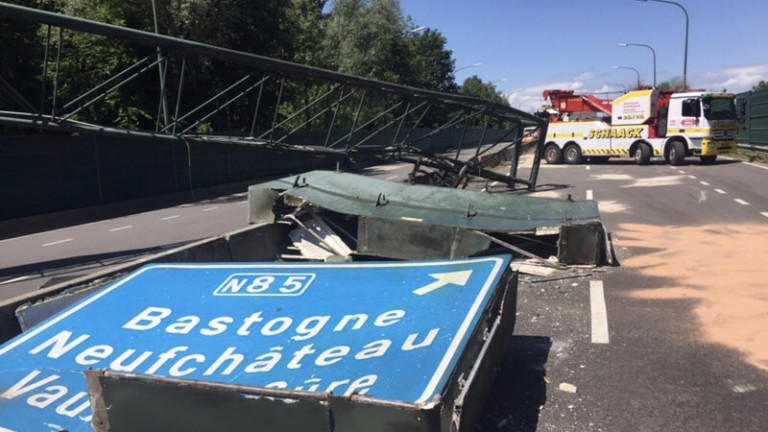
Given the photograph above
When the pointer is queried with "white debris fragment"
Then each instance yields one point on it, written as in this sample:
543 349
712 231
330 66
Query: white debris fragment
532 269
566 387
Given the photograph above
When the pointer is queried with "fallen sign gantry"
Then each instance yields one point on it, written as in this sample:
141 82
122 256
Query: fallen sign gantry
351 344
285 346
342 216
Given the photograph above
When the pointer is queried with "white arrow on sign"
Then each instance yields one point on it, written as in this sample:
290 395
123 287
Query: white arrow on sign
453 278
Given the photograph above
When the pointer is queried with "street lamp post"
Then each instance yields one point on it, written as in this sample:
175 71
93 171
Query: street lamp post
685 55
620 85
625 44
467 67
631 68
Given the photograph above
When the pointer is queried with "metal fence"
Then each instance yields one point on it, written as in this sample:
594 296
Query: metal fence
277 101
752 107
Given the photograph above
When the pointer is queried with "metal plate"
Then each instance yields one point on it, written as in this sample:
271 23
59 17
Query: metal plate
391 331
366 196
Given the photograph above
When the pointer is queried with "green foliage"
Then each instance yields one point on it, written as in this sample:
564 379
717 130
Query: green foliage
761 86
365 38
368 38
432 64
676 83
475 87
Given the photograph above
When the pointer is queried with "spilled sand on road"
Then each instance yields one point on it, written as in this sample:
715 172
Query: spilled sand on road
722 266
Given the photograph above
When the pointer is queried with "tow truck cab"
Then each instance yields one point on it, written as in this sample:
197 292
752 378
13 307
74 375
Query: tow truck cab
706 121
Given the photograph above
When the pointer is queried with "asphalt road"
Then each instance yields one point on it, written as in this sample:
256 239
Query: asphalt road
665 355
625 348
44 258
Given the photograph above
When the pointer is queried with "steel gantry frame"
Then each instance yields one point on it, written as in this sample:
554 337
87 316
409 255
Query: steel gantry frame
382 120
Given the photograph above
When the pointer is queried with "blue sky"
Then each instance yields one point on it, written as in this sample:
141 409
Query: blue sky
526 46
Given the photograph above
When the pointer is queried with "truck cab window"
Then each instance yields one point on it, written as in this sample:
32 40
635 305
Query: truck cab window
691 108
719 108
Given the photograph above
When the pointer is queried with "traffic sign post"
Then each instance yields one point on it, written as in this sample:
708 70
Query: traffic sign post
393 332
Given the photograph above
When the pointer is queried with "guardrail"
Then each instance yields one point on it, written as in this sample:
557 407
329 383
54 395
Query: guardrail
754 148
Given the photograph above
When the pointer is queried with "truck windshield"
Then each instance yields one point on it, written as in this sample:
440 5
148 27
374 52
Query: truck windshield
719 108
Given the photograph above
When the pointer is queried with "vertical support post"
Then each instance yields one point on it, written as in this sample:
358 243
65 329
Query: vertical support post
357 116
516 150
402 120
333 118
56 76
461 140
418 121
178 96
163 104
537 157
162 69
45 70
258 105
277 107
482 138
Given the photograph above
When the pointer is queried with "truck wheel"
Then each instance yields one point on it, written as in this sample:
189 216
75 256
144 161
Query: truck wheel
676 153
708 160
572 154
553 155
642 154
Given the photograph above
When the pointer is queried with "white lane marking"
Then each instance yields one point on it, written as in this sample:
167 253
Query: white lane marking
599 313
57 242
756 165
124 227
18 279
764 214
720 191
741 201
681 171
170 217
412 219
589 194
588 167
703 183
692 177
391 177
211 208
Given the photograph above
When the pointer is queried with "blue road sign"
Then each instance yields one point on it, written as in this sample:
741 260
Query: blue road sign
392 331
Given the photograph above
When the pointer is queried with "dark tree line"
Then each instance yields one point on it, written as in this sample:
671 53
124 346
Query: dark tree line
368 38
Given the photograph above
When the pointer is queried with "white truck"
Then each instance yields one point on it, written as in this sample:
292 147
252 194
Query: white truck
642 124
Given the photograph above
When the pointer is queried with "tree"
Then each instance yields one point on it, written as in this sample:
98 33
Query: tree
675 83
20 57
303 20
475 87
366 38
432 63
761 86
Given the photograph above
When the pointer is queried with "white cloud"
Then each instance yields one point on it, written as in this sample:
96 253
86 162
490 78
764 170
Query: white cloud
530 98
585 76
736 79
